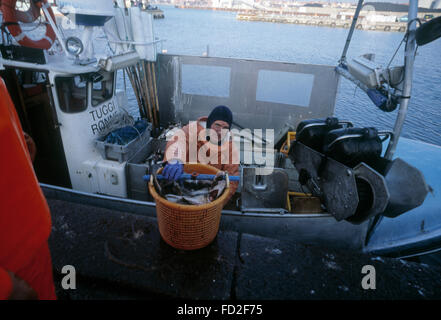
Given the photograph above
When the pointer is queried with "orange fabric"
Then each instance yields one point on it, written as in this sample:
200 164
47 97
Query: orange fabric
5 284
228 156
38 273
25 221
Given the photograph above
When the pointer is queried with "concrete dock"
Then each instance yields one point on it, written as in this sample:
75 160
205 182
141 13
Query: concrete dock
122 256
324 21
326 16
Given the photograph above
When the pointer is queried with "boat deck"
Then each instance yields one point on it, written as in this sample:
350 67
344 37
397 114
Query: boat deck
122 256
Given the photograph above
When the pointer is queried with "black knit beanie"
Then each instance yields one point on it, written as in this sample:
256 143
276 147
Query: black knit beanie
220 113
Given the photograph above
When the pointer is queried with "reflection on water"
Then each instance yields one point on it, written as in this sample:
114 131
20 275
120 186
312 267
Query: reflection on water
190 31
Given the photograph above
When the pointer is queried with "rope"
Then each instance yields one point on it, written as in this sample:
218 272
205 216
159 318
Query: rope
404 40
120 120
396 51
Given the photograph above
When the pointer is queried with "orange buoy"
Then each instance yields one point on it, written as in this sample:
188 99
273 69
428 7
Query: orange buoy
11 17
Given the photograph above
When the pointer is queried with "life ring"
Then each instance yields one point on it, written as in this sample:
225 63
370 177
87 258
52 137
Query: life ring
11 19
30 15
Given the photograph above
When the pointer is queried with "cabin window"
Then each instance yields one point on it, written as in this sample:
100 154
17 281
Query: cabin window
72 93
284 87
102 90
205 80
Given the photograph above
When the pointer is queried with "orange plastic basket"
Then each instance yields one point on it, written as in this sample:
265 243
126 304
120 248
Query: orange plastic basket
189 227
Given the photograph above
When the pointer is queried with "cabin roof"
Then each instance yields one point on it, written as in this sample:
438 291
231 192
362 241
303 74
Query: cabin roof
57 64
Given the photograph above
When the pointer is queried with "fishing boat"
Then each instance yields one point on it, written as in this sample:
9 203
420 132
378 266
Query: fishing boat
363 189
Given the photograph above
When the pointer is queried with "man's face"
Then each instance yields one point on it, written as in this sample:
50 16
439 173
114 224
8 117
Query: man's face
221 128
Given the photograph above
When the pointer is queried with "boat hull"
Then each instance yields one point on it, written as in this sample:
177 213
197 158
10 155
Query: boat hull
315 229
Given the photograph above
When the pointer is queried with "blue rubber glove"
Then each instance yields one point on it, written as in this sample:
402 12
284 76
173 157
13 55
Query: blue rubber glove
172 171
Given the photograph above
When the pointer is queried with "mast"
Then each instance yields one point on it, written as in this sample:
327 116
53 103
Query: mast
409 58
351 30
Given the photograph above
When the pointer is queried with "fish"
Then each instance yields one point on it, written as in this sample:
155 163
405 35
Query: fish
197 200
218 186
217 189
171 187
173 198
197 184
192 200
193 192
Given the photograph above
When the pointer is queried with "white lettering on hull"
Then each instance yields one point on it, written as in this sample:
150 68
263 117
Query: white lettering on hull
101 117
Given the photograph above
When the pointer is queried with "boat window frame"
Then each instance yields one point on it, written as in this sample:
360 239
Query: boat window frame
112 78
61 104
89 90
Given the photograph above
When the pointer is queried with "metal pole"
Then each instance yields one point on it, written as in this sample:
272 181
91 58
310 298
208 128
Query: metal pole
54 26
351 30
409 58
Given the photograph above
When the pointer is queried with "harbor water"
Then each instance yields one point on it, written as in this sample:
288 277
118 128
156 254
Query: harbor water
190 32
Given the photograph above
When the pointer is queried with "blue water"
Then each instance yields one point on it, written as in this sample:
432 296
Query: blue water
189 32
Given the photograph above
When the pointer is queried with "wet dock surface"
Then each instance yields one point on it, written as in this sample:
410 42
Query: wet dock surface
122 256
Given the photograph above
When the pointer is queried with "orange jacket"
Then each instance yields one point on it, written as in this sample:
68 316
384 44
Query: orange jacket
25 221
187 151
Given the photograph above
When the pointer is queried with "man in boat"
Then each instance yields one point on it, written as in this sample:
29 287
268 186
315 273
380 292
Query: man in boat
194 143
25 221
